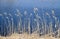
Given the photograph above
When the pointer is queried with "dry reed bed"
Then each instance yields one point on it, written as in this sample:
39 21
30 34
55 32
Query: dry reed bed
26 36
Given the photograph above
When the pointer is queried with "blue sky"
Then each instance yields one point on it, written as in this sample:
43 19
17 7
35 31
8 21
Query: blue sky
31 3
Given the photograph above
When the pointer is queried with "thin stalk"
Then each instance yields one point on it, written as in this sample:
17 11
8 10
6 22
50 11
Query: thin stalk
29 25
12 24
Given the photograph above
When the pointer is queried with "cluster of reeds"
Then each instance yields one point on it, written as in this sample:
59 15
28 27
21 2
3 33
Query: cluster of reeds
41 25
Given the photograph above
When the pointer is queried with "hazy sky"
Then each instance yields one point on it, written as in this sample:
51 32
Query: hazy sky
31 3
